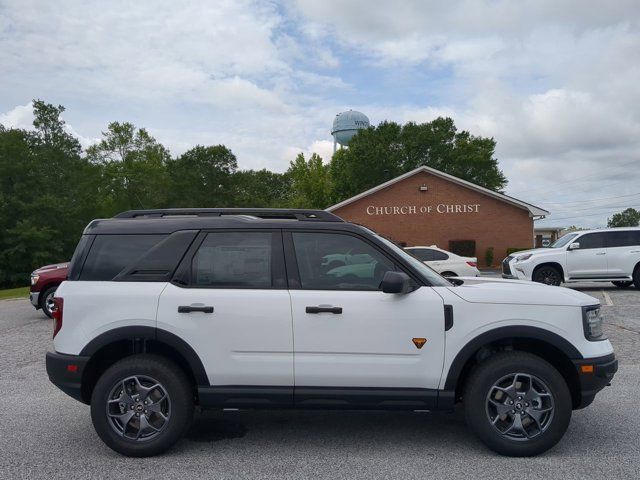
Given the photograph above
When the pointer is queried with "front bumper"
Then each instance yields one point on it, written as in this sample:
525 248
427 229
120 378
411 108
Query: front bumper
595 378
65 372
33 298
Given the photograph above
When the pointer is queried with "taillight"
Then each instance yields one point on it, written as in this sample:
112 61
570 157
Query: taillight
472 264
56 312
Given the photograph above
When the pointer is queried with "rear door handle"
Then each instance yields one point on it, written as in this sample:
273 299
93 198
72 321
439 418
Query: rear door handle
324 309
195 308
601 253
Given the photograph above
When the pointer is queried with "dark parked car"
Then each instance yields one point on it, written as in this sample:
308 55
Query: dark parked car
44 282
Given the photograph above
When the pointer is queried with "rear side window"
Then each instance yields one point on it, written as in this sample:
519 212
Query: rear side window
423 254
234 260
110 254
626 238
439 256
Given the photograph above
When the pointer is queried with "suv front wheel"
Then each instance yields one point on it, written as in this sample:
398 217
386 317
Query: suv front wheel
142 405
517 403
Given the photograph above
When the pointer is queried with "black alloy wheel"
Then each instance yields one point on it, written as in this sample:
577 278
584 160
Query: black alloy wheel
548 275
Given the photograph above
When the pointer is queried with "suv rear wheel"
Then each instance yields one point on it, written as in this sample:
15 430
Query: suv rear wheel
142 405
517 403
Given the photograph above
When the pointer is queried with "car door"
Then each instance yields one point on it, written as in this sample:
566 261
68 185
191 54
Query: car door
623 252
590 259
351 339
230 303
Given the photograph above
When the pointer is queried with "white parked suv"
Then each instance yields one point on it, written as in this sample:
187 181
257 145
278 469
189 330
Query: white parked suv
447 264
166 310
606 255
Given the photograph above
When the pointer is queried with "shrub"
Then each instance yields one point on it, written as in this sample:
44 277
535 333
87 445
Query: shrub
488 256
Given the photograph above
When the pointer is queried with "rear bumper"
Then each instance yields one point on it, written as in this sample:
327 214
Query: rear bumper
604 369
65 372
33 298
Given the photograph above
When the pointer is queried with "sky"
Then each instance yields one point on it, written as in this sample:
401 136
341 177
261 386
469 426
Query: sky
556 84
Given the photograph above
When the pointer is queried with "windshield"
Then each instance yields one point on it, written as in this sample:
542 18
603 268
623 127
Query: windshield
431 276
562 241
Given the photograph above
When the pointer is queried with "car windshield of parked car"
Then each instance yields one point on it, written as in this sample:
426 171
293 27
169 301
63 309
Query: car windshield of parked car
562 241
430 275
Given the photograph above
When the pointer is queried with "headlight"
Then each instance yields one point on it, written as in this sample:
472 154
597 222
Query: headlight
592 322
34 279
524 257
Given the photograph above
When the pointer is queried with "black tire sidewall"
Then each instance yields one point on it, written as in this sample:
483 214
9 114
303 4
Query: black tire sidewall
636 277
43 300
487 373
178 388
537 276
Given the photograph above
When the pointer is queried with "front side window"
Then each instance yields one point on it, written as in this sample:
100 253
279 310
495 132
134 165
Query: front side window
233 260
591 240
332 261
110 254
565 240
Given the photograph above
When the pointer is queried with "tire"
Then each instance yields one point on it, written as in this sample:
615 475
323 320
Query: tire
506 436
448 274
137 373
622 284
45 299
548 275
636 277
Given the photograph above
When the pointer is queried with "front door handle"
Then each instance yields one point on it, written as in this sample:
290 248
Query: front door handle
195 308
601 253
324 309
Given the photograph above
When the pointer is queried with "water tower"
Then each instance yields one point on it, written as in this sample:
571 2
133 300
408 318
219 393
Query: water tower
346 125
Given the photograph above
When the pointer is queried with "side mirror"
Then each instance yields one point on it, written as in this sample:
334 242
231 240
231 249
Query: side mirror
395 282
574 246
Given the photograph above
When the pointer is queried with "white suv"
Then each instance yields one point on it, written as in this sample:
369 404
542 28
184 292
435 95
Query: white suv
607 255
165 310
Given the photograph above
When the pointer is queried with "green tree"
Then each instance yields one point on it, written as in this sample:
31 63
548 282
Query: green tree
311 185
627 218
134 173
380 153
260 189
46 194
202 177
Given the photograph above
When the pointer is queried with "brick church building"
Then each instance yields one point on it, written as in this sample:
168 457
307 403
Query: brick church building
429 207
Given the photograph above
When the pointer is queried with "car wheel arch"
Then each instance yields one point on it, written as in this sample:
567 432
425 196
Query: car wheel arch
118 343
544 343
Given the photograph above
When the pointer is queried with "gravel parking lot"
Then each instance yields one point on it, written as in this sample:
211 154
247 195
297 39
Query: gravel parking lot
45 434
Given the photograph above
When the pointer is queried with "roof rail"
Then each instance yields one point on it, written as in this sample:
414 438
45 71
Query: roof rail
266 213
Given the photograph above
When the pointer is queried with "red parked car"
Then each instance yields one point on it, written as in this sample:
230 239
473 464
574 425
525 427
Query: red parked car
44 282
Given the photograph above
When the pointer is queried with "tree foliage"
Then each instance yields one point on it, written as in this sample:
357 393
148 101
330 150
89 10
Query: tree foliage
627 218
380 153
50 189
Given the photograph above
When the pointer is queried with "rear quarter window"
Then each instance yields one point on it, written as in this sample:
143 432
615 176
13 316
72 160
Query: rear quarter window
110 254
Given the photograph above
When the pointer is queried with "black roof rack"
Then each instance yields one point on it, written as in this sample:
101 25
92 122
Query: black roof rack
266 213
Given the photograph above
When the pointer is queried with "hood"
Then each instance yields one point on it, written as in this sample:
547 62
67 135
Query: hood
54 266
518 292
534 251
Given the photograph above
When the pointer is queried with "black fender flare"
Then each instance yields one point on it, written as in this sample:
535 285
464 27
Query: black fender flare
506 333
151 333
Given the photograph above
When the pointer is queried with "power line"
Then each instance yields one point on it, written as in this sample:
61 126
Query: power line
589 200
573 181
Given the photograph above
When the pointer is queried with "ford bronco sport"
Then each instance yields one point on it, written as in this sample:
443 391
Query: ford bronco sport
165 310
